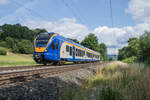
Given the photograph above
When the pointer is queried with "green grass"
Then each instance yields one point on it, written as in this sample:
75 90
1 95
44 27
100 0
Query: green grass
12 59
115 81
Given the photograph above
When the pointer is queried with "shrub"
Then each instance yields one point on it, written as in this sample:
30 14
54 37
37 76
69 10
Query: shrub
3 52
147 62
25 47
130 60
3 44
10 42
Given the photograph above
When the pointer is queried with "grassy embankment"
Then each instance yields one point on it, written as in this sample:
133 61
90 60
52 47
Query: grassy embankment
12 59
114 82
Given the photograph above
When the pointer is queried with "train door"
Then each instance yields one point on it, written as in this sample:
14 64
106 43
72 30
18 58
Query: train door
73 53
54 49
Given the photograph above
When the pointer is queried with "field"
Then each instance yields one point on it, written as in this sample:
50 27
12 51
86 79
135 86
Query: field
116 81
12 59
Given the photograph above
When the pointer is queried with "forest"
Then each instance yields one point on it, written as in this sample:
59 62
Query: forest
19 39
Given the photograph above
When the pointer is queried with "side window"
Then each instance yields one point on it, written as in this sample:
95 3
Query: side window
76 52
70 51
79 52
67 48
52 46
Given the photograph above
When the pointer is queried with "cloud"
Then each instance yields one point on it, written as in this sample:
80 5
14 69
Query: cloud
67 27
20 14
140 9
3 2
116 38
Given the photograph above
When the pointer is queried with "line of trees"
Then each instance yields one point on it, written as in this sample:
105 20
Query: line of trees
138 50
19 39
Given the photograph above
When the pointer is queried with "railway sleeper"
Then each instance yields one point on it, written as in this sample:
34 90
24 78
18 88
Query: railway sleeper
17 79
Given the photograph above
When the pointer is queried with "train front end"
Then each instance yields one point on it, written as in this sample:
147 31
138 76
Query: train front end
41 45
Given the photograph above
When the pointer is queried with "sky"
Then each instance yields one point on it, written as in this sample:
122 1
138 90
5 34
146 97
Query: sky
77 18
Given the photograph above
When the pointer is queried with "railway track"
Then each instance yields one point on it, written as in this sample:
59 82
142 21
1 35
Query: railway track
19 76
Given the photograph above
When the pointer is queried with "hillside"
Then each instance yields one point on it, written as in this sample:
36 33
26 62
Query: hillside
12 59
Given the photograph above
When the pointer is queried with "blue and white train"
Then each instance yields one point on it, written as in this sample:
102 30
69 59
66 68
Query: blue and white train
54 48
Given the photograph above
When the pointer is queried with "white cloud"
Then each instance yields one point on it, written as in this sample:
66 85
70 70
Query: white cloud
118 37
140 9
3 2
67 27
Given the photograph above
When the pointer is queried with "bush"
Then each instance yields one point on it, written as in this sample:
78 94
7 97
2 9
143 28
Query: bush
147 62
25 47
130 60
3 44
10 42
3 52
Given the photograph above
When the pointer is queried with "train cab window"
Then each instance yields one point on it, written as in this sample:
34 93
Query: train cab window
70 51
52 46
67 48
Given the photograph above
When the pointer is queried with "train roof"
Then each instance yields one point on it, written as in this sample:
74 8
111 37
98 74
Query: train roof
64 38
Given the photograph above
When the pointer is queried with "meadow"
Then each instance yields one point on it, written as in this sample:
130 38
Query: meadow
12 59
116 81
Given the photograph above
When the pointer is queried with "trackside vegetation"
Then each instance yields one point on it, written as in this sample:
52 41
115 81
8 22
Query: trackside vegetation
116 81
3 51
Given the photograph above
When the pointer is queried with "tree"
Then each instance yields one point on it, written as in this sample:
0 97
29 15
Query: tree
25 46
133 49
111 59
138 48
91 42
123 53
10 42
145 47
74 40
134 46
1 31
38 31
103 51
17 32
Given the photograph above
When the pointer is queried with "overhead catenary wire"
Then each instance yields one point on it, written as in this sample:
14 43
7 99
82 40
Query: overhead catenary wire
112 23
72 11
78 10
28 9
111 13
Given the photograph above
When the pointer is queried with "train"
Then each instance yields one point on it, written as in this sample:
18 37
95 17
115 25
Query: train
50 47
